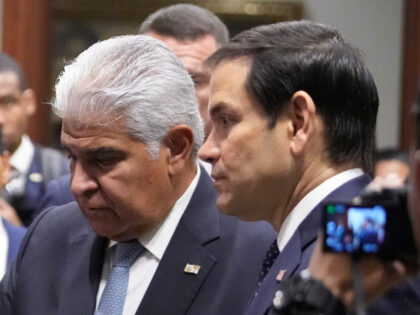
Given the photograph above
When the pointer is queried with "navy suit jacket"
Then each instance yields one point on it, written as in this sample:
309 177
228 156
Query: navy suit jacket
57 193
59 265
401 299
47 164
15 234
297 253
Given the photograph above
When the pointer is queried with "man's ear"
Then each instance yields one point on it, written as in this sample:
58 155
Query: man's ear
180 142
29 99
302 115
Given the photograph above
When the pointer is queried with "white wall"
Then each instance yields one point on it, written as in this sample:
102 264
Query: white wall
376 27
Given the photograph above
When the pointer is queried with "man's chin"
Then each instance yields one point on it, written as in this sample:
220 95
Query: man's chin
112 233
238 210
227 207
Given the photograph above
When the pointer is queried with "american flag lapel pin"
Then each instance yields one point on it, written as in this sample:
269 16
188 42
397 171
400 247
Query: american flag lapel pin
281 274
194 269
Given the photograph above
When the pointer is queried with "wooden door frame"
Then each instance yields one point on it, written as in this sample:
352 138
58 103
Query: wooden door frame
26 37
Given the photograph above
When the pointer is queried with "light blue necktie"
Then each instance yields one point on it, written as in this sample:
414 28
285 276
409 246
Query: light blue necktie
113 296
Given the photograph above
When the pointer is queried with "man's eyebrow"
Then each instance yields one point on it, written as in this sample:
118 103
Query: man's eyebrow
97 151
8 98
199 74
216 109
103 151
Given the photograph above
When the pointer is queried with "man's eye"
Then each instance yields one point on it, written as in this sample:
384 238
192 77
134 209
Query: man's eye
226 121
106 161
196 81
7 103
199 80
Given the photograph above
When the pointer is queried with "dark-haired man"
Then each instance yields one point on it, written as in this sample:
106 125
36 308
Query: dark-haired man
32 166
293 109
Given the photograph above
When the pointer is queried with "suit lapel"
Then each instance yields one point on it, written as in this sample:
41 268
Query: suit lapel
15 235
84 265
172 290
287 262
296 255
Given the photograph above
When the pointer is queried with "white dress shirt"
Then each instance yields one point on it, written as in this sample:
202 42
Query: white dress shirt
307 203
4 248
207 166
20 161
155 243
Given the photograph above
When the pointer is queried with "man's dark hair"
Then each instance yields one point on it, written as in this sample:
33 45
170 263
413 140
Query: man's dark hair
301 55
7 64
388 154
185 21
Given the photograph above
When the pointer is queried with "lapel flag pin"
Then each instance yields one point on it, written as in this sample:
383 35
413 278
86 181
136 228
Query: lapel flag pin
192 268
36 177
281 274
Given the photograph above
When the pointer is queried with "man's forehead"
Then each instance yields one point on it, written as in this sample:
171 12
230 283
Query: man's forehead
199 48
238 69
77 129
10 79
70 124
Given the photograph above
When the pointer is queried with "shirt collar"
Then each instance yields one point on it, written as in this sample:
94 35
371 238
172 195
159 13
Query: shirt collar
158 239
307 203
21 159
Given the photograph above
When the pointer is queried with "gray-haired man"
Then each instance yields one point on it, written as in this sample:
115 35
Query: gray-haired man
145 236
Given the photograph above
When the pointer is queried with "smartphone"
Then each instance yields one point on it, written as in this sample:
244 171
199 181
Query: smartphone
384 230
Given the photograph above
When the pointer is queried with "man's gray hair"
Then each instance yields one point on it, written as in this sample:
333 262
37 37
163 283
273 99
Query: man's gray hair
134 78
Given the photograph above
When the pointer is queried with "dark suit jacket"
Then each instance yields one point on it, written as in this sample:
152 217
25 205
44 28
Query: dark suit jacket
401 299
15 234
59 265
57 193
297 253
50 164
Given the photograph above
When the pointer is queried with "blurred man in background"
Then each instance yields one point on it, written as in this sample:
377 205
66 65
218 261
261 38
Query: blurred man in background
390 161
32 166
10 234
193 33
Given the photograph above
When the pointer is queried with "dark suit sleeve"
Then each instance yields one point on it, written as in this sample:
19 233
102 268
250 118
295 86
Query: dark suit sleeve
7 286
9 281
57 193
15 234
50 198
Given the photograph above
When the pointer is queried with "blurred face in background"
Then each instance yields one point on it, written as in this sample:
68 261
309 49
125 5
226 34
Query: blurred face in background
16 106
386 167
192 54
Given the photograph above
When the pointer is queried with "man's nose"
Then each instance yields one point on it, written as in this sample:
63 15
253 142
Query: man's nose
2 116
209 151
82 182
